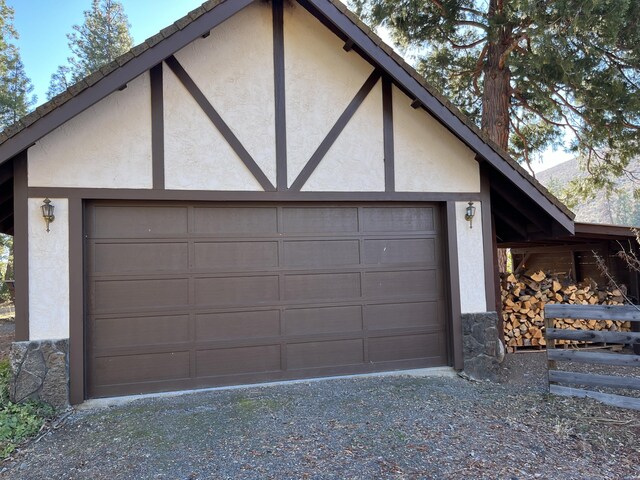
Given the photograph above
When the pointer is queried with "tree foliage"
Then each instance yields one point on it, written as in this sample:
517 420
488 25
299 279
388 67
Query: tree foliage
15 86
102 38
530 72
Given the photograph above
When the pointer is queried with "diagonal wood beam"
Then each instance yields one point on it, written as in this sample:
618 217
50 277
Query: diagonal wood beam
518 228
6 172
6 225
335 131
219 123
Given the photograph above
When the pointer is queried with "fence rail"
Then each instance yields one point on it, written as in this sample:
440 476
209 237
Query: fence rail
592 312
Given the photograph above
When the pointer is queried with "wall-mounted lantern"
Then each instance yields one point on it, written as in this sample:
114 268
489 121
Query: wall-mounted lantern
469 214
47 212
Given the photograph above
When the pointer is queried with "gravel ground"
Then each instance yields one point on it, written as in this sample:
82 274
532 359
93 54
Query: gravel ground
373 427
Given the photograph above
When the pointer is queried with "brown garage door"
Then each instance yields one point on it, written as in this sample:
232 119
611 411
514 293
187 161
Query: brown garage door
195 295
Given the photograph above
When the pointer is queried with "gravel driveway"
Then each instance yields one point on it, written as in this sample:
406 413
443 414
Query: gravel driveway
373 427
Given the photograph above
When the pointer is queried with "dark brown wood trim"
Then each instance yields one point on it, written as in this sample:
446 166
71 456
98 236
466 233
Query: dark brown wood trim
387 120
219 123
157 127
21 246
488 242
366 45
121 76
335 131
279 95
76 302
454 286
206 195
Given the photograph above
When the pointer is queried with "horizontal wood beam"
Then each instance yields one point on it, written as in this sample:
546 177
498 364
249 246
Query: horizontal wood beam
600 358
229 196
626 313
593 380
629 338
606 398
558 248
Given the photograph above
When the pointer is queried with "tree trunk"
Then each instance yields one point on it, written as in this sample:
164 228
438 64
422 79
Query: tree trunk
497 78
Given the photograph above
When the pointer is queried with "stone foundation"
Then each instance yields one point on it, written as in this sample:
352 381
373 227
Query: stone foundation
40 372
483 350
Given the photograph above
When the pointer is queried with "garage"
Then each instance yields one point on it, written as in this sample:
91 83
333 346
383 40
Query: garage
193 295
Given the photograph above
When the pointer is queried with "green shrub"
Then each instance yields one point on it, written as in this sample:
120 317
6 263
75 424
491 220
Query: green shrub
18 421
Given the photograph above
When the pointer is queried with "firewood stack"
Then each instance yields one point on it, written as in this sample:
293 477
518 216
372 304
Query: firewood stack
524 297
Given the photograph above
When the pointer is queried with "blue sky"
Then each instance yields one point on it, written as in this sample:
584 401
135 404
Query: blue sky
44 24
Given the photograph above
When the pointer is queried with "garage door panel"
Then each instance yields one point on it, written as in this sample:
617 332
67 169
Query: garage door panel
400 283
319 220
139 331
322 354
402 315
321 253
384 349
138 221
218 221
140 257
235 361
194 295
140 368
398 219
323 320
237 325
326 286
117 295
236 290
400 251
215 256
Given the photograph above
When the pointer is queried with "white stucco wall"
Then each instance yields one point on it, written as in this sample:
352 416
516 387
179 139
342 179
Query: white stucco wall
48 271
196 155
320 81
355 162
428 158
233 67
471 260
106 146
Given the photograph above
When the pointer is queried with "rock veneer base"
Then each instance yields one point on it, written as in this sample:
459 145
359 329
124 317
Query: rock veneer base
483 350
40 372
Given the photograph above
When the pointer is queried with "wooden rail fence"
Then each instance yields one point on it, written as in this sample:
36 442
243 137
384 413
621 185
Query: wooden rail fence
559 379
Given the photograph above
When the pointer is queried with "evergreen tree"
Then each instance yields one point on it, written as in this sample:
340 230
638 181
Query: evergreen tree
530 71
102 38
15 86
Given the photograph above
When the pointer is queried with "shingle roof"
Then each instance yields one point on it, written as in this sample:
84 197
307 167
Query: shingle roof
182 23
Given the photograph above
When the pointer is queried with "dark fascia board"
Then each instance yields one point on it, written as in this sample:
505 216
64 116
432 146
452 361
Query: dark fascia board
603 230
338 15
118 76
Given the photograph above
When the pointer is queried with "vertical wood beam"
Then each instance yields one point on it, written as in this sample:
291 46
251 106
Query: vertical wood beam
491 285
21 245
76 302
454 286
157 127
387 120
279 96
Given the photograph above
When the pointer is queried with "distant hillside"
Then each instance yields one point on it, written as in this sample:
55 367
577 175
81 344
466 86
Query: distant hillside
619 209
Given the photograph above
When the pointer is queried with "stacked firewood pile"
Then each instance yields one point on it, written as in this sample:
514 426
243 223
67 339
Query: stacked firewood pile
524 297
